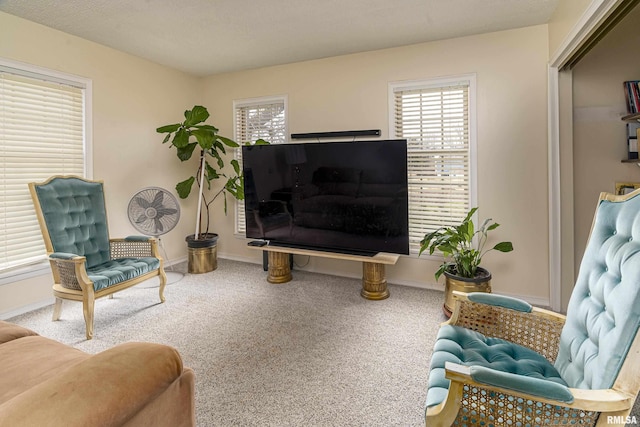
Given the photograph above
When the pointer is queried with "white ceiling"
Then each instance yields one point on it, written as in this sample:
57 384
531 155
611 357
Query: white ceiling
205 37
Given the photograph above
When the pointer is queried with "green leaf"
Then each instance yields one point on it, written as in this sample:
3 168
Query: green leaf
441 270
261 142
504 247
470 214
470 231
184 153
447 248
166 138
228 142
484 225
215 154
211 172
197 115
181 138
204 137
233 186
236 166
168 128
217 145
207 127
184 188
493 226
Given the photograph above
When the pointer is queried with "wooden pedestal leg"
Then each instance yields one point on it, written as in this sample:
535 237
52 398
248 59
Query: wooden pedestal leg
279 267
57 308
374 282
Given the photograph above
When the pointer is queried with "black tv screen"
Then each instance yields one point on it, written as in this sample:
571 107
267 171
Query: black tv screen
348 197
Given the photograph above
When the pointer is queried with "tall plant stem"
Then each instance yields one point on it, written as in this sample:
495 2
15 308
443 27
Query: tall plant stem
201 187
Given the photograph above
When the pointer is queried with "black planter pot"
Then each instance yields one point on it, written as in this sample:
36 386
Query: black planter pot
203 254
480 283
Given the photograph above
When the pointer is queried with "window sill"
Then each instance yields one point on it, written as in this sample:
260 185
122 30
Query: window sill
23 273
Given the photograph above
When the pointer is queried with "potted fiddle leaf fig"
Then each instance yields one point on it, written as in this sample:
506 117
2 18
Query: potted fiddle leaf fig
463 247
193 135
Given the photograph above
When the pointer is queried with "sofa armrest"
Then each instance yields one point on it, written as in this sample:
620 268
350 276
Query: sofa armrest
107 389
505 317
10 332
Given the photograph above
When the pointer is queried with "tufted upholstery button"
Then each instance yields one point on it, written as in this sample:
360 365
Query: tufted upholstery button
615 232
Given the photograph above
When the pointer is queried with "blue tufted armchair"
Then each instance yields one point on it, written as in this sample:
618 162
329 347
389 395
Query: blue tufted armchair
499 361
87 264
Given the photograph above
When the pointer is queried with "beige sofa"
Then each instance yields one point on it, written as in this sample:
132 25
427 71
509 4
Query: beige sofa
47 383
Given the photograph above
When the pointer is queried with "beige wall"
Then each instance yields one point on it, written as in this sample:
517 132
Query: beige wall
131 97
563 20
350 92
599 134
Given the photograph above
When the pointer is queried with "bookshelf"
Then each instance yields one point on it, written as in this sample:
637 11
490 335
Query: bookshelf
631 118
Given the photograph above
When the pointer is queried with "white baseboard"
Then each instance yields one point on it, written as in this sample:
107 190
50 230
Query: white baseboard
175 261
26 308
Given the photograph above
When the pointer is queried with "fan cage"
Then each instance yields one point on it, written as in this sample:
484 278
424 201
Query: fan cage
153 211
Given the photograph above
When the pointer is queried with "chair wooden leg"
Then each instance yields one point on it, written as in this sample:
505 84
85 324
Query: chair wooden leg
57 308
88 302
163 283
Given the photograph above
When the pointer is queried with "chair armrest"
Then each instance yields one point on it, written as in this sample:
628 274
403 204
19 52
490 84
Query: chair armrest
63 255
505 317
608 400
69 270
134 247
500 301
137 238
106 389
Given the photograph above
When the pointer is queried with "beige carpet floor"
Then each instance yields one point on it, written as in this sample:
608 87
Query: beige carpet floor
311 352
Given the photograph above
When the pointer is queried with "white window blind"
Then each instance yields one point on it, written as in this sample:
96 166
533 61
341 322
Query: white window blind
435 122
41 134
260 118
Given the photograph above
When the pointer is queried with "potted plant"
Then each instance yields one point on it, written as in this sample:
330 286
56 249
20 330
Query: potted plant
463 248
188 136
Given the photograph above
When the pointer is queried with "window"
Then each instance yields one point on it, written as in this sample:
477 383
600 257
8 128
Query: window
42 133
436 119
258 118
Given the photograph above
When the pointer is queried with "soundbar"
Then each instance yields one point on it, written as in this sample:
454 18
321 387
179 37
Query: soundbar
338 134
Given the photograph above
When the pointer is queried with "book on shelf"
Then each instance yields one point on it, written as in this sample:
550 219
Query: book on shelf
632 96
633 131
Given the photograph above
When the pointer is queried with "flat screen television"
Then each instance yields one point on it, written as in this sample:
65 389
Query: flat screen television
347 197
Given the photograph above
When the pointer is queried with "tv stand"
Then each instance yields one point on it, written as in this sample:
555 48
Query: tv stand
374 282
